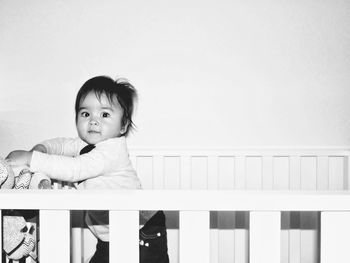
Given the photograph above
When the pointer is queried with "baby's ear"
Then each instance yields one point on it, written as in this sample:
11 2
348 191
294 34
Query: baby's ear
124 129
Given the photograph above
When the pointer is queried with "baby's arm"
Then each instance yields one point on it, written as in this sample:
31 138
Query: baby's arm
69 169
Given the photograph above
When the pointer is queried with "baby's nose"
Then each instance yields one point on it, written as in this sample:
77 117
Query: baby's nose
94 122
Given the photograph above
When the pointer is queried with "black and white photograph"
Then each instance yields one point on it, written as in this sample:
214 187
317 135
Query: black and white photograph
175 131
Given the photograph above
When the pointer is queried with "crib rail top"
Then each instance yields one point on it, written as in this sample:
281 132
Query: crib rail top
184 200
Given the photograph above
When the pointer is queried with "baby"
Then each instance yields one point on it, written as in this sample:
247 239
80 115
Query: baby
98 158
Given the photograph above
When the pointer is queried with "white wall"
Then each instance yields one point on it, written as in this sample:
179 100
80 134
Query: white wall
209 73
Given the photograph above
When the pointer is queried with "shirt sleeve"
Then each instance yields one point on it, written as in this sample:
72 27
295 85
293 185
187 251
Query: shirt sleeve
63 146
67 168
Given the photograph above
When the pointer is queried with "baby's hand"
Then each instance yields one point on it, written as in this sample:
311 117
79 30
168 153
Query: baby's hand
44 184
19 158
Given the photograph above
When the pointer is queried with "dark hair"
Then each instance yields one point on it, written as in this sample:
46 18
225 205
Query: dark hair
121 88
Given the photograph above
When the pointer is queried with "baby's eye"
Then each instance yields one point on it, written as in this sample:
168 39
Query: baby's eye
105 114
84 114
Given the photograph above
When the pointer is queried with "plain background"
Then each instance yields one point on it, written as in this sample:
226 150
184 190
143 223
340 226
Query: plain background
210 74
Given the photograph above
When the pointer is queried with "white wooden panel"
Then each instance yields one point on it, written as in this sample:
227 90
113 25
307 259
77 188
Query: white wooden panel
76 245
89 244
240 172
346 172
336 173
295 172
199 172
54 236
267 172
254 172
241 246
173 245
309 245
322 173
214 245
213 168
172 171
226 172
185 172
294 246
124 236
308 173
158 172
226 245
281 173
335 237
265 237
194 237
284 246
144 168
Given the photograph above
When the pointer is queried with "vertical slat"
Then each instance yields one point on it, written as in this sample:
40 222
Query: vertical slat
308 173
346 172
284 246
173 244
226 225
336 173
145 171
172 171
76 245
194 237
295 172
124 236
265 237
54 236
226 172
309 224
335 237
309 246
267 172
241 246
254 172
240 169
214 246
185 179
213 167
281 173
294 246
285 227
322 173
158 172
226 245
199 172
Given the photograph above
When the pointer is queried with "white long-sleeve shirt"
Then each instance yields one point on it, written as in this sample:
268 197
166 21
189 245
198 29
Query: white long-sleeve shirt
107 166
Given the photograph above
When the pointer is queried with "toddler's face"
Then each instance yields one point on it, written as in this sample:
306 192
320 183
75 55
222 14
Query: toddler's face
99 120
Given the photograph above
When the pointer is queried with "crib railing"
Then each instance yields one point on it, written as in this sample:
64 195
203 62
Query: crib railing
194 229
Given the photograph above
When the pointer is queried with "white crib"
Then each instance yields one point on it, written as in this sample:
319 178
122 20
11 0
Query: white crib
266 183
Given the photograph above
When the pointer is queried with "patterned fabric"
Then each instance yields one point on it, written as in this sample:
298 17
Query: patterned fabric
23 179
13 235
18 240
6 175
25 249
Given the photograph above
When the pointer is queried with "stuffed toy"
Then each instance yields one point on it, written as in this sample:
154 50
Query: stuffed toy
18 241
21 178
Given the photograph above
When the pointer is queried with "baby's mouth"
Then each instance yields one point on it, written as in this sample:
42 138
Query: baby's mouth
93 132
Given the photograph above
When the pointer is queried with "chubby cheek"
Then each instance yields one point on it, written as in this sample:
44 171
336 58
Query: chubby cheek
81 126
